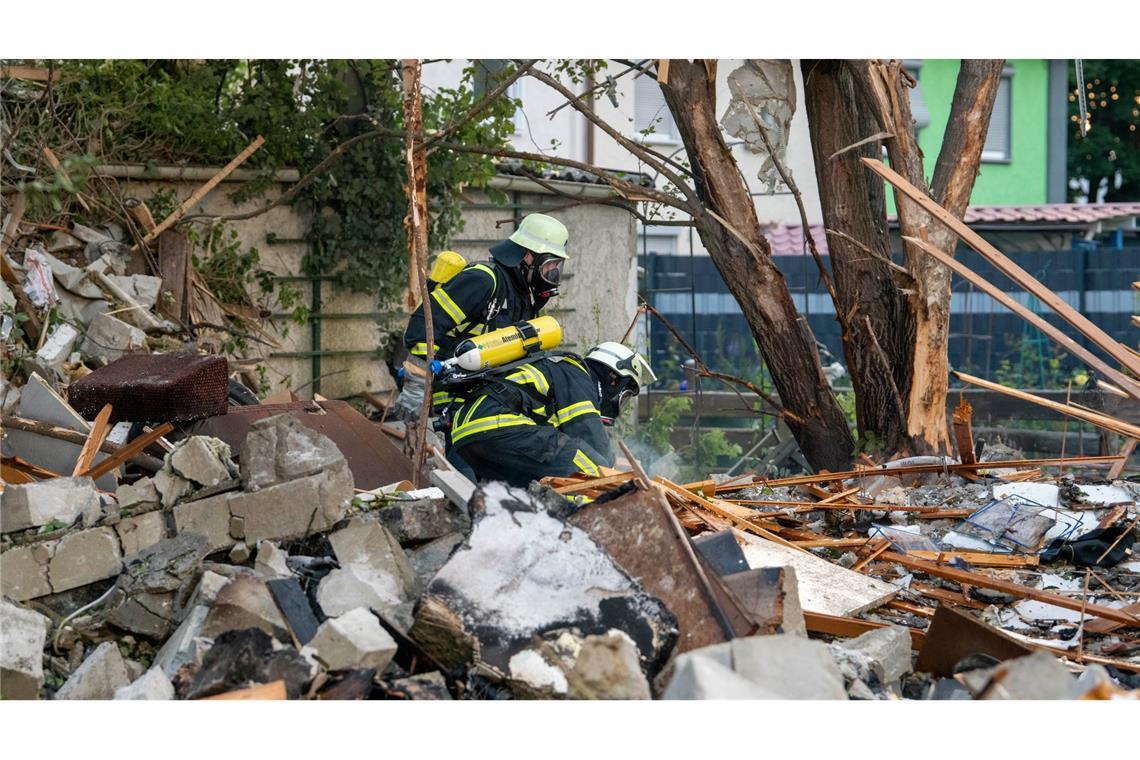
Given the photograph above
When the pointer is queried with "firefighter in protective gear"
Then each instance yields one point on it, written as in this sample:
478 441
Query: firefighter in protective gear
523 274
546 417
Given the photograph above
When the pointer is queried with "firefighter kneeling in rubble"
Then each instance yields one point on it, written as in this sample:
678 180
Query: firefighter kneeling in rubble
545 417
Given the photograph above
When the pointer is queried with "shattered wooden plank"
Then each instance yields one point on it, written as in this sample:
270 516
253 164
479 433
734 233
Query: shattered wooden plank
1100 420
126 452
981 559
1036 320
841 625
1126 452
1077 320
201 192
722 510
924 468
1006 587
585 485
99 430
275 690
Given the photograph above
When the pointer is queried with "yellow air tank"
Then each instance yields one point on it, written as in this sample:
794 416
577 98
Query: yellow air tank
447 264
508 344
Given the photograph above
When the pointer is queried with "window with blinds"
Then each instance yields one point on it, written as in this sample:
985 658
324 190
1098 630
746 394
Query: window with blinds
649 110
918 109
997 147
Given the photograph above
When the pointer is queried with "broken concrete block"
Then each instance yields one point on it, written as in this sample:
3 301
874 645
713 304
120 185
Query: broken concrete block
770 594
142 288
153 584
888 648
208 517
153 684
109 338
85 557
280 448
58 346
608 667
171 486
24 571
353 640
140 495
358 585
140 532
698 677
791 666
99 677
240 554
186 645
292 509
523 571
202 459
366 542
426 560
423 519
270 561
242 658
455 485
22 636
31 505
1036 676
245 602
208 587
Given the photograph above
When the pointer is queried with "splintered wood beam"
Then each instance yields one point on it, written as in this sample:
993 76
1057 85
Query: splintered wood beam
99 430
963 432
586 485
1015 589
868 472
1049 329
981 559
1080 322
724 511
126 452
1125 452
1100 420
201 192
837 625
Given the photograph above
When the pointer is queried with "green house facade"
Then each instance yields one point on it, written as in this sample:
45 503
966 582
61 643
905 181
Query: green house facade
1024 158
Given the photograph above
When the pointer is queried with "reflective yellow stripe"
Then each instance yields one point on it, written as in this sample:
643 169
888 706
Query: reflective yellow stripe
575 362
443 299
564 415
584 464
484 424
420 349
471 411
487 270
439 398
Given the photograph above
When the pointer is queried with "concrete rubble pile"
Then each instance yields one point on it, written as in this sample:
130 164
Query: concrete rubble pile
274 577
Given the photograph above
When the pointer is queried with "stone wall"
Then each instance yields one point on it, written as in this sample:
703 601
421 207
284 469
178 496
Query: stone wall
597 303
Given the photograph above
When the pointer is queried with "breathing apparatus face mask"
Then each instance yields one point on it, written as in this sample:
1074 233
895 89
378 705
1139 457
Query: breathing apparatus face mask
544 274
615 389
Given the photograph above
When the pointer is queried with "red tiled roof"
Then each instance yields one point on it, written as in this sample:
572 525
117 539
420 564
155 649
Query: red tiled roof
1052 213
787 239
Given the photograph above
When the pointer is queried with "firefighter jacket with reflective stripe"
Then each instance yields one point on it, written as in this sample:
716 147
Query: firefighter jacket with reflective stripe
556 391
481 298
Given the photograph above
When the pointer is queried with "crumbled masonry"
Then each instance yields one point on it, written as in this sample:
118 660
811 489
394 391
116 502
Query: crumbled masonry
239 550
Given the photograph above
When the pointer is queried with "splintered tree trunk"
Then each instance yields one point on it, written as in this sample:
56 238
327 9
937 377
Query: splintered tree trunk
878 99
744 260
879 327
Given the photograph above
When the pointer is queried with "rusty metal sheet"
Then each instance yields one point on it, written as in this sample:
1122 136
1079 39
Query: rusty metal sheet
760 593
641 534
375 460
954 635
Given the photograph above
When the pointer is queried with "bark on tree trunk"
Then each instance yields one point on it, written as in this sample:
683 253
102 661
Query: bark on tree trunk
881 90
783 337
881 330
